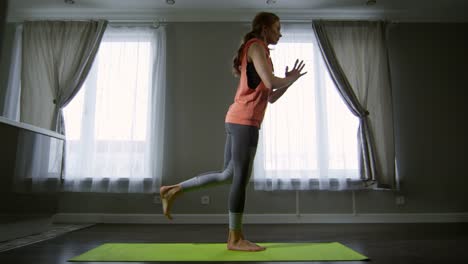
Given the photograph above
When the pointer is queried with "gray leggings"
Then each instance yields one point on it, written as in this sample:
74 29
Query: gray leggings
239 153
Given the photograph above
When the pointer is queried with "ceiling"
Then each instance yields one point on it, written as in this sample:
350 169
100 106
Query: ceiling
239 10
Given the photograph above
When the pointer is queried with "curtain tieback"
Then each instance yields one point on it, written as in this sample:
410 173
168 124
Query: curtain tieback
365 114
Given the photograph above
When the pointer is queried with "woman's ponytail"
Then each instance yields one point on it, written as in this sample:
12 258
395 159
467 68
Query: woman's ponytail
237 61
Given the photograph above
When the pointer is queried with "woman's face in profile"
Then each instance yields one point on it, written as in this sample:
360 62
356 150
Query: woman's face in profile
273 34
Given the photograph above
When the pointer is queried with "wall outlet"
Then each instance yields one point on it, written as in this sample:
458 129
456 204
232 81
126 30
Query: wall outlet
400 200
157 199
205 199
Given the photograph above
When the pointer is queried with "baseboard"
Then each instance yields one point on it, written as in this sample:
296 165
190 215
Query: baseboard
262 218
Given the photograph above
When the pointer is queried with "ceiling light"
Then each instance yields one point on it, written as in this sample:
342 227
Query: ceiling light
70 2
156 23
170 2
371 2
271 2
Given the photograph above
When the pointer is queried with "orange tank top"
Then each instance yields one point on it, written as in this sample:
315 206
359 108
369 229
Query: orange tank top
249 104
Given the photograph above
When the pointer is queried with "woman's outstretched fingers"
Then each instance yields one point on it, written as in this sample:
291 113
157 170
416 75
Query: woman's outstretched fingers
295 63
301 65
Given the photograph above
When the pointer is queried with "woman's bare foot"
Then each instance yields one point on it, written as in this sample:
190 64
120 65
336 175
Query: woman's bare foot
168 194
236 241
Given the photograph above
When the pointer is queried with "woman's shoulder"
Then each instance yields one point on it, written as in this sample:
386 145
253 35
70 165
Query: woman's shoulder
256 42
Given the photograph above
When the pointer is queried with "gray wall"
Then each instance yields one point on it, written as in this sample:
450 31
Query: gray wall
428 63
429 69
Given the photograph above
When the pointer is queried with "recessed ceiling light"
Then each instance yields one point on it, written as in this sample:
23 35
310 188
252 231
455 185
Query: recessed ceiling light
271 2
70 2
371 2
170 2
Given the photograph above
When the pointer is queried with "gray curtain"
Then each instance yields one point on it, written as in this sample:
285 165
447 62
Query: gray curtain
356 56
11 102
57 56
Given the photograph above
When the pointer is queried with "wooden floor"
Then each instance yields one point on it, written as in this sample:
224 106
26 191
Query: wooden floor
382 243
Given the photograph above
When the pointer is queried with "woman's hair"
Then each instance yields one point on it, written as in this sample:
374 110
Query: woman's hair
262 19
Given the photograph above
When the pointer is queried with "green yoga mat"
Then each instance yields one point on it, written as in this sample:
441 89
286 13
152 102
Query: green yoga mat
332 251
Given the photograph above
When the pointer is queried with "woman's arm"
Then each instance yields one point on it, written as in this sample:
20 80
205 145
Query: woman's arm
256 53
276 94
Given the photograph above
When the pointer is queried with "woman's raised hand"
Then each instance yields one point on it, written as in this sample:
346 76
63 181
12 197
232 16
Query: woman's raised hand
296 72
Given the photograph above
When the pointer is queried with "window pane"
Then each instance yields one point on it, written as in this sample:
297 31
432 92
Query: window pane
74 111
292 146
309 131
122 92
106 122
343 126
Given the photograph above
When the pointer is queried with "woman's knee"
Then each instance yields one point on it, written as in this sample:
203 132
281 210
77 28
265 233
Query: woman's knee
228 173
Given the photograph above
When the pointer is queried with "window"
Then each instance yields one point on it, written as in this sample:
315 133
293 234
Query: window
108 122
309 137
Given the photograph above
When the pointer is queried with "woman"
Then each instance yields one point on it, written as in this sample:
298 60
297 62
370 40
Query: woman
257 86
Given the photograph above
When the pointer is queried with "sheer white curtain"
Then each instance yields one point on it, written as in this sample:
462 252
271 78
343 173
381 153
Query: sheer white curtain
38 162
308 139
114 125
